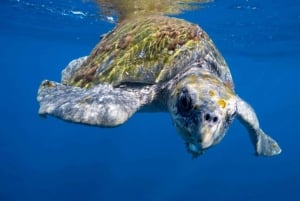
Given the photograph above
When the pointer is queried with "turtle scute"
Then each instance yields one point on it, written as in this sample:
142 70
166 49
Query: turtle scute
145 50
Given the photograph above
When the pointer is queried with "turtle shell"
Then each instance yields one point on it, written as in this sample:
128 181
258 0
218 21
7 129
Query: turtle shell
149 50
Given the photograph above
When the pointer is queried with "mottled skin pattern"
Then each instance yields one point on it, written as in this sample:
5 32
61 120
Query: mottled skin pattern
150 64
203 107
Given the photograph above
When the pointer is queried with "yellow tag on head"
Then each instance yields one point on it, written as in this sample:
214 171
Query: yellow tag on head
222 103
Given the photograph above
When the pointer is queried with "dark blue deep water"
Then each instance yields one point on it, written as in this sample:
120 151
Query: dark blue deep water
145 159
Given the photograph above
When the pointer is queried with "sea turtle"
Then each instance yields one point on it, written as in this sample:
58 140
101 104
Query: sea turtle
155 63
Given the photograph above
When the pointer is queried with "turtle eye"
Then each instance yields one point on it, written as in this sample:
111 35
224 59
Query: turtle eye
184 102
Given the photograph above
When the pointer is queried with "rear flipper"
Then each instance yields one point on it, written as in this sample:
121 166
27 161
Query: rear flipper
101 105
263 143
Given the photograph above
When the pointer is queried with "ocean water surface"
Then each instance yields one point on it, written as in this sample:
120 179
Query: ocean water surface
145 159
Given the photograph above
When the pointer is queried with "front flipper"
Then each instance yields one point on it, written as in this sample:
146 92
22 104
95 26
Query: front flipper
263 143
101 105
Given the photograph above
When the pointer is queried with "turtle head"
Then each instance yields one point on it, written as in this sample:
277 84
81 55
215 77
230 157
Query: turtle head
202 107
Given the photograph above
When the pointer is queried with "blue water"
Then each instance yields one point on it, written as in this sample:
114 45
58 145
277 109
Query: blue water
145 159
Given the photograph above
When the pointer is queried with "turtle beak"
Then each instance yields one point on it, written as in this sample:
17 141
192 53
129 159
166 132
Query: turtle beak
205 140
206 136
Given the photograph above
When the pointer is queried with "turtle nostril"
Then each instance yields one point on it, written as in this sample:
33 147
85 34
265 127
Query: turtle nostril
215 119
210 118
207 117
